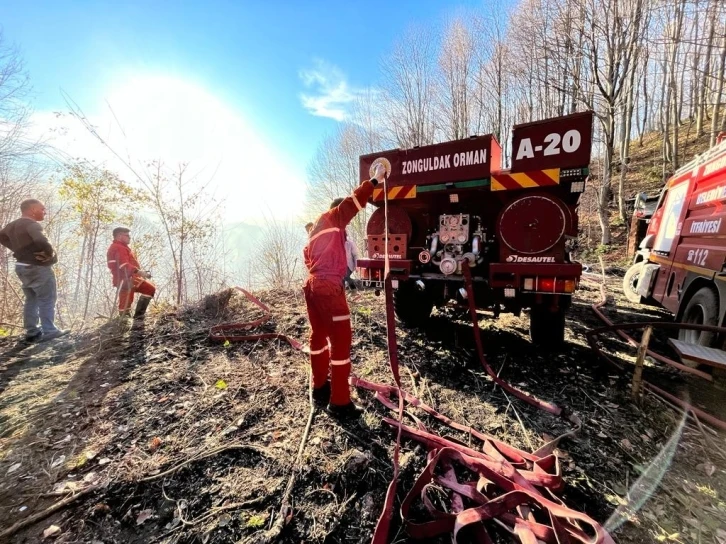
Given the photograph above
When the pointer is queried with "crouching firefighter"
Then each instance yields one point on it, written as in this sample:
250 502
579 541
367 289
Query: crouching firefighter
331 335
128 278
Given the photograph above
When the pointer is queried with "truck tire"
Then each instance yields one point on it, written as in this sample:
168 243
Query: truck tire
547 328
630 281
701 309
413 306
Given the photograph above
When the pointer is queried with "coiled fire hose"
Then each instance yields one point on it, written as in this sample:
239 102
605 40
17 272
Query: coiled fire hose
526 479
509 480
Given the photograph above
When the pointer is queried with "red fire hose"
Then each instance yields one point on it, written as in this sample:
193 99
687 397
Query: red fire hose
619 330
509 480
231 331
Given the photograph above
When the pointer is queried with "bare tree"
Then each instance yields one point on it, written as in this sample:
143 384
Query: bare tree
335 172
280 263
456 81
97 199
408 89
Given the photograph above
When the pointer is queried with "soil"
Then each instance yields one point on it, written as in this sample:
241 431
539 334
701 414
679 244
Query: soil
193 441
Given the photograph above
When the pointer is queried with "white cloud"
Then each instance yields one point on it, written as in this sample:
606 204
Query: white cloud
329 94
174 120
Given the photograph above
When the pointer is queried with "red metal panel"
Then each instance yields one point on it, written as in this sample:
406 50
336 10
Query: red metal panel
518 270
562 142
460 160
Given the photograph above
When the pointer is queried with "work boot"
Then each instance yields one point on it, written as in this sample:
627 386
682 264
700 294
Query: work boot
31 339
345 412
54 334
321 395
141 307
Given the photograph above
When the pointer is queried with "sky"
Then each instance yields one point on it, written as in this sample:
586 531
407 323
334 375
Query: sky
244 91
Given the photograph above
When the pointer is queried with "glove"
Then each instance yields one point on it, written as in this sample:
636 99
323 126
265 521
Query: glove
380 173
144 274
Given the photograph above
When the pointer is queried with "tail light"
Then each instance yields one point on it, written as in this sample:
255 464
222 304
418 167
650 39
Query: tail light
370 274
549 285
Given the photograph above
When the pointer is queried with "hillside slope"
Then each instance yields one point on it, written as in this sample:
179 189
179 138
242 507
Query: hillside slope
645 175
191 441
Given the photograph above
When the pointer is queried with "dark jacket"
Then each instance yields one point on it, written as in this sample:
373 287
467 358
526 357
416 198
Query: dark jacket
25 238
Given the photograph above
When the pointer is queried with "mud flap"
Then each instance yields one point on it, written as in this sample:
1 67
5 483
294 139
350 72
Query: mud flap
646 279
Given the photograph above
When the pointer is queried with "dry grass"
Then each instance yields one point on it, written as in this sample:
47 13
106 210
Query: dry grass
201 438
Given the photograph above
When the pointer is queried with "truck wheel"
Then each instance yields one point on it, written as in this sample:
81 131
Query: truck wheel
630 281
413 306
702 309
547 328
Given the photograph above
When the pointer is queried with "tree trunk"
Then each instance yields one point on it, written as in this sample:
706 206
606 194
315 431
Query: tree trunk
92 262
719 91
700 112
606 189
79 272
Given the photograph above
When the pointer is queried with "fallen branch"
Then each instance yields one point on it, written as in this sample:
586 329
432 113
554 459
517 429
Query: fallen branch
211 453
216 510
48 511
715 447
285 513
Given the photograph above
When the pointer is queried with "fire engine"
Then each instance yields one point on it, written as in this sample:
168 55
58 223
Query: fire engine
453 202
681 263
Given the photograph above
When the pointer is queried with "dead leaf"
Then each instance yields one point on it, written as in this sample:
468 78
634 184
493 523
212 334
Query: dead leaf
709 468
155 443
626 444
13 468
102 508
104 461
143 516
52 531
58 461
602 434
224 520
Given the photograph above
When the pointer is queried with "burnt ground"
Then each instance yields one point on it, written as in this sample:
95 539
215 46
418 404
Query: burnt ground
190 441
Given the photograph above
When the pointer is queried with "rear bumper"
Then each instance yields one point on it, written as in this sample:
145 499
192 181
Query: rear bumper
503 275
372 269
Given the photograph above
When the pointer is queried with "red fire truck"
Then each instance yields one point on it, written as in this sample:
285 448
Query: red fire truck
452 202
681 263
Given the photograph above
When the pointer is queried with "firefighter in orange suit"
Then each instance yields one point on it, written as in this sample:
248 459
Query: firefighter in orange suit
331 335
128 278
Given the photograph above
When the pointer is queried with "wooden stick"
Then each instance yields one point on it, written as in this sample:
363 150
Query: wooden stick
3 324
211 453
48 511
635 391
285 512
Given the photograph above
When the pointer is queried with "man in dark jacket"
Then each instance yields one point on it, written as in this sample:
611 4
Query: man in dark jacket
35 257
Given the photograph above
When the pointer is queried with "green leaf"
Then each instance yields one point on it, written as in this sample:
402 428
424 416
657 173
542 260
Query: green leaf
221 384
227 343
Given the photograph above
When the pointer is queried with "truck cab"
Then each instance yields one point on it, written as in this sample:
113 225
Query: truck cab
452 202
681 264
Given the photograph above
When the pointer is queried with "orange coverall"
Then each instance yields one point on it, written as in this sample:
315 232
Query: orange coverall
326 261
124 267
